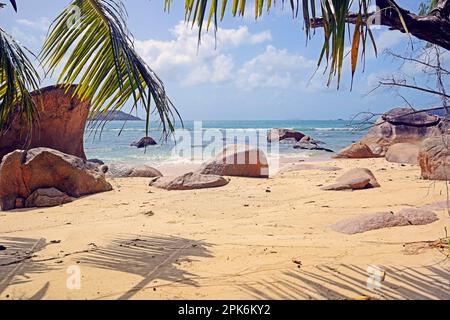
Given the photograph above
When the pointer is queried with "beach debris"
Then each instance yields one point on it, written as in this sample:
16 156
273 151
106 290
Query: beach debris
2 248
45 198
119 170
312 146
24 172
382 220
239 161
189 181
434 158
355 179
275 135
403 153
55 241
297 261
413 248
149 213
144 142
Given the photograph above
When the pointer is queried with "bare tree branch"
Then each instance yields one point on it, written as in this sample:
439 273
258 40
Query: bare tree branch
415 60
433 28
410 86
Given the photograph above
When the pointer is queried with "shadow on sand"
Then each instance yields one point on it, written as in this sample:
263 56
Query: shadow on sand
149 257
16 264
350 282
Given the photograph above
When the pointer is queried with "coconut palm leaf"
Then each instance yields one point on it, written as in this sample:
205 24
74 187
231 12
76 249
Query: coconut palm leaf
91 41
17 77
334 14
13 3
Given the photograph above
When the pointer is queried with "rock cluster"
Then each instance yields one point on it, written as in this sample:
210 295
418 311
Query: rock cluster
22 173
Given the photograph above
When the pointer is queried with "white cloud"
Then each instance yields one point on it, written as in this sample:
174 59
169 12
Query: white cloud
31 32
386 39
181 59
41 24
275 68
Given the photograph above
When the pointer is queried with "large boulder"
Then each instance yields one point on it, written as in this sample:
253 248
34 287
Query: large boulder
144 142
405 153
22 173
275 135
399 125
118 170
383 220
62 120
354 179
434 158
238 161
189 181
357 150
49 197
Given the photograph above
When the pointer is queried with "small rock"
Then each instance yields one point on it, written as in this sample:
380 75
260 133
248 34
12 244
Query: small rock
96 161
2 248
355 179
357 150
190 181
381 220
118 170
43 198
144 142
369 222
418 217
275 135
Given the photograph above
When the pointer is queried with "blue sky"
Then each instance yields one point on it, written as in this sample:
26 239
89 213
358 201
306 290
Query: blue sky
259 70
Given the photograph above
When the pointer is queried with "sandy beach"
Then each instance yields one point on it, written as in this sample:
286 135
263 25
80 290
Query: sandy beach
252 239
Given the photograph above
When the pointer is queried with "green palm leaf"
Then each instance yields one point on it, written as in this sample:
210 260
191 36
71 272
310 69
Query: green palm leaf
92 35
334 14
17 77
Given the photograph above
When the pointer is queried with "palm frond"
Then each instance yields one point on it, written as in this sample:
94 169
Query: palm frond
17 78
13 3
93 36
334 15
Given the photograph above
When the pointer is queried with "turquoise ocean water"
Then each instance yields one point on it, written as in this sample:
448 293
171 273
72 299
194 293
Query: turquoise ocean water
112 147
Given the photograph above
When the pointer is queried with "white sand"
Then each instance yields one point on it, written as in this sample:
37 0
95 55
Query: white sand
236 242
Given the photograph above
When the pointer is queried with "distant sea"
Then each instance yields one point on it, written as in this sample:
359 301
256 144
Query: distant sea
111 147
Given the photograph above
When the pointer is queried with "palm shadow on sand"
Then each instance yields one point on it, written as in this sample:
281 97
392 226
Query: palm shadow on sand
149 257
328 283
16 264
